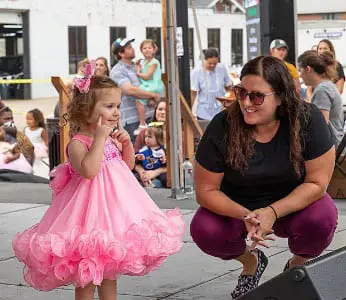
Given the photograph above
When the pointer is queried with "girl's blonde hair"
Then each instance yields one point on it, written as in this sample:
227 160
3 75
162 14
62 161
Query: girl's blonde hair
83 62
157 131
82 105
151 42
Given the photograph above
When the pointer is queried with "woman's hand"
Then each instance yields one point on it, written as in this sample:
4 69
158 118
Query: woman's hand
11 158
149 175
144 178
259 225
163 160
15 154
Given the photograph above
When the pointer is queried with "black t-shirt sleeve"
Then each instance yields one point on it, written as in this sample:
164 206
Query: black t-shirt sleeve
211 152
318 138
340 71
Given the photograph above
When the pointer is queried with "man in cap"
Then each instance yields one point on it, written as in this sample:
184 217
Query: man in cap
279 49
124 73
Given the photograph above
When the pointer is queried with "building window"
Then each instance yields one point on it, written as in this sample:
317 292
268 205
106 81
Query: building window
114 33
237 47
77 46
329 16
154 33
191 48
214 39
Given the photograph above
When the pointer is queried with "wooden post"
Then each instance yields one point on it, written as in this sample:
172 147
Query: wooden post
191 128
64 99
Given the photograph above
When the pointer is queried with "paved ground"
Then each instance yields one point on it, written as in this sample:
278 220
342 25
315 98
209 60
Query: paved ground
188 275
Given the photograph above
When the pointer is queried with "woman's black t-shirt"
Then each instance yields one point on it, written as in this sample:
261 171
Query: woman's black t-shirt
270 175
340 71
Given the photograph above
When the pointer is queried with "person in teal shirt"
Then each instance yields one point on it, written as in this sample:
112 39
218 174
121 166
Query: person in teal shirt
149 74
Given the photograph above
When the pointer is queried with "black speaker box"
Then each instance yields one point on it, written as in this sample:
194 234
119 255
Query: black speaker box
278 22
323 278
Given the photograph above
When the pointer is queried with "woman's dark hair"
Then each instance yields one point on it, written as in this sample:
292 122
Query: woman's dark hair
241 144
323 64
105 63
210 53
4 108
155 109
82 105
38 117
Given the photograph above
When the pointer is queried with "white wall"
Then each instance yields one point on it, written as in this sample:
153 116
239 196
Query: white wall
49 21
309 34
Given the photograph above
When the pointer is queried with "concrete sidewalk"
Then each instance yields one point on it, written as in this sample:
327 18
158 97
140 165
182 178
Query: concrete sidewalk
188 275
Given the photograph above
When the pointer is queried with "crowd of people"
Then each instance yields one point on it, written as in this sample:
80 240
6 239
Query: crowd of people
23 151
262 166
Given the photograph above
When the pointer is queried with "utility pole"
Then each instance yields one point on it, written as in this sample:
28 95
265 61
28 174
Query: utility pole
174 115
184 61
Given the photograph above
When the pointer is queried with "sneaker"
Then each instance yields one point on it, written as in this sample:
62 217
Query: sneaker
247 283
140 128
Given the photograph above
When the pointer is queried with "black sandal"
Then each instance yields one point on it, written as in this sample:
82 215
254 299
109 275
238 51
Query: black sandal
287 266
246 283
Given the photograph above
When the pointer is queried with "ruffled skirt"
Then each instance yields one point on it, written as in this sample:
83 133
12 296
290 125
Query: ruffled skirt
78 242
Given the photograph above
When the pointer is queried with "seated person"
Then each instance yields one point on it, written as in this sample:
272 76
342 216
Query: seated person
25 146
153 155
10 156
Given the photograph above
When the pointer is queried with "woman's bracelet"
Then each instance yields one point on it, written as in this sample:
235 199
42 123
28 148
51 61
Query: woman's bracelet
273 209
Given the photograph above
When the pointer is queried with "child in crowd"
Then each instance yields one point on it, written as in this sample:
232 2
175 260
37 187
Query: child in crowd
101 223
153 155
149 73
36 132
80 74
10 156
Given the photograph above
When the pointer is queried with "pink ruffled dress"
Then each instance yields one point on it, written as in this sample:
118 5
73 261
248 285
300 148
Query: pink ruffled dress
97 229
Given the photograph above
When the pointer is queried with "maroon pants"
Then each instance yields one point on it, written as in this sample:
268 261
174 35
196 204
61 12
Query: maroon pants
309 231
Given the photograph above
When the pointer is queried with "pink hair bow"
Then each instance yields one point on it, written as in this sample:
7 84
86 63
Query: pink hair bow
83 84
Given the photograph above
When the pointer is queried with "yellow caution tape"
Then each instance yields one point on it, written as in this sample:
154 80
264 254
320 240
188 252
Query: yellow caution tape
16 81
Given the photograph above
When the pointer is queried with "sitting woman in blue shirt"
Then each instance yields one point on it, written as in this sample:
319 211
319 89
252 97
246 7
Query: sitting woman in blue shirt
153 155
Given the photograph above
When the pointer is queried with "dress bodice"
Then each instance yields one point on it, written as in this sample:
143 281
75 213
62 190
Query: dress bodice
110 152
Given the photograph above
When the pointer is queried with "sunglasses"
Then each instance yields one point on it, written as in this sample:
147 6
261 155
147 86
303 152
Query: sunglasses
256 98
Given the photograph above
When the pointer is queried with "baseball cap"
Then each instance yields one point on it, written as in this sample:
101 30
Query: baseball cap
278 44
122 42
119 44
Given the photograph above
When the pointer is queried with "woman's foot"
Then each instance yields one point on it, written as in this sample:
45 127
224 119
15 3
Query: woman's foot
294 262
246 282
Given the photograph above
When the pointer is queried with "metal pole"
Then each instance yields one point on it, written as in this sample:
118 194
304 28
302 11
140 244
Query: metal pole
184 61
174 102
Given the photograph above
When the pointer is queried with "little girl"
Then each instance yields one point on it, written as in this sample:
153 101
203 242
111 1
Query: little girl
149 73
36 132
153 155
101 223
